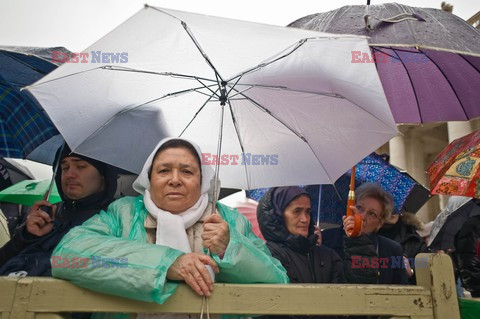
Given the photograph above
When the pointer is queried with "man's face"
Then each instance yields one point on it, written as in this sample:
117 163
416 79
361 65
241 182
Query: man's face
80 178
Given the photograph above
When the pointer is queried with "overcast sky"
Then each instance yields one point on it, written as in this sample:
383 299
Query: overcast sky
77 24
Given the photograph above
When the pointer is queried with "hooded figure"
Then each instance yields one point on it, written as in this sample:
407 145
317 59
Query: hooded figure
30 254
304 261
149 237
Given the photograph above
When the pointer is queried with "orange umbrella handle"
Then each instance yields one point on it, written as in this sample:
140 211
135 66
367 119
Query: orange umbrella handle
357 226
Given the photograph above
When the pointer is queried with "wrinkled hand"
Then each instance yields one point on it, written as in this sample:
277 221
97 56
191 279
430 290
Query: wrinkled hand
38 222
191 269
318 232
216 234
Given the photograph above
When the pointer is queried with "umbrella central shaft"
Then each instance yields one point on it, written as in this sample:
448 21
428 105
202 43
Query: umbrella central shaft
223 93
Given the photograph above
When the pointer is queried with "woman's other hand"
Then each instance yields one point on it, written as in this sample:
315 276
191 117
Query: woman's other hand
216 234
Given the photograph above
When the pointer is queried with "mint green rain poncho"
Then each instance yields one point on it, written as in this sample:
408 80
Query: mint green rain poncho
121 262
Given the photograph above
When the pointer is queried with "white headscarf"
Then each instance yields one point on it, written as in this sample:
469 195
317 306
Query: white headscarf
171 227
454 203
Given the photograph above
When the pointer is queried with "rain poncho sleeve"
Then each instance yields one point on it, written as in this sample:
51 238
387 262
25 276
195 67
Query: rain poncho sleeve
247 258
112 256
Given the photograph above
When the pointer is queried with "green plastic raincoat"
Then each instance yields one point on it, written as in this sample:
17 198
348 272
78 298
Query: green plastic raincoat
112 256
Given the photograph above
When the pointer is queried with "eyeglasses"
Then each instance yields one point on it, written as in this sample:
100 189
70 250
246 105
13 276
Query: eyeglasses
370 214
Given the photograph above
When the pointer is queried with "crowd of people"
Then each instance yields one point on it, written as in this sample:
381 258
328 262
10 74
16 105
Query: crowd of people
172 232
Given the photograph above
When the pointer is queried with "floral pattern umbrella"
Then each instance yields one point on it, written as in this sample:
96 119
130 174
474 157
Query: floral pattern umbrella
456 171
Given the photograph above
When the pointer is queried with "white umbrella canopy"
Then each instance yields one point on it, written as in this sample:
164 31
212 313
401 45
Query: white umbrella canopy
296 110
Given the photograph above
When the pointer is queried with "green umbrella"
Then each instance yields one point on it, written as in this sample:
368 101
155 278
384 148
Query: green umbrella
28 192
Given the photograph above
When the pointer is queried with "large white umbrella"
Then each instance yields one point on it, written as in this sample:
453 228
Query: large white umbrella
293 108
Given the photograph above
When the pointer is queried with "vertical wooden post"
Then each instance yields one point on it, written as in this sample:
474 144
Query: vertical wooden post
435 272
22 298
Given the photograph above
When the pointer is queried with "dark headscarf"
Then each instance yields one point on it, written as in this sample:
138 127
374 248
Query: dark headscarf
270 216
283 196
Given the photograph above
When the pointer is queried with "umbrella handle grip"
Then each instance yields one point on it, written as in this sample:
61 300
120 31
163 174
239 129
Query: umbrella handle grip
357 226
46 209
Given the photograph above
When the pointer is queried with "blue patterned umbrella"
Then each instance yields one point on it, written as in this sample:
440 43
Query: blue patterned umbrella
23 123
373 168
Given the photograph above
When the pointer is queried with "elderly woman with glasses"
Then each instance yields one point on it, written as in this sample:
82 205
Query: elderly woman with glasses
369 258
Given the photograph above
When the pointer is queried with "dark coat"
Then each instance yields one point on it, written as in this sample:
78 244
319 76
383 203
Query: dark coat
304 261
368 259
405 233
27 254
467 242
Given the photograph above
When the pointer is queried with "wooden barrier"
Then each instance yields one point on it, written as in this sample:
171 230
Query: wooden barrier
433 297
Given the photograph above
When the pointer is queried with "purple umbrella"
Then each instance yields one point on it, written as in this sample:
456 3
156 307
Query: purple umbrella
428 60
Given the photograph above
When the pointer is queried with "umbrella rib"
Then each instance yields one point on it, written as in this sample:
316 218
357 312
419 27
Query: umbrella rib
466 60
190 34
123 111
275 87
449 84
413 88
174 75
158 99
377 48
237 131
291 129
334 95
7 53
171 74
262 65
62 77
195 115
125 69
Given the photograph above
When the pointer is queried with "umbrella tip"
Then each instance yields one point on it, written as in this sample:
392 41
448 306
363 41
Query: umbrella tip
146 6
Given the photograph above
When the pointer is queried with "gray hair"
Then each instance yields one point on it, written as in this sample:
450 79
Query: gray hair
374 190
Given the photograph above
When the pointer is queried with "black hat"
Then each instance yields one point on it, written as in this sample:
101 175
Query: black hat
67 152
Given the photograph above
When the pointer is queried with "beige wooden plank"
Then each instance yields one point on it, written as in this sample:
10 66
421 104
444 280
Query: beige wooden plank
435 272
52 316
397 303
7 295
51 295
21 299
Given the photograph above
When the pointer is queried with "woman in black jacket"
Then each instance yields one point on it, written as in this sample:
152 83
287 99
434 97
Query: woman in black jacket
283 216
467 244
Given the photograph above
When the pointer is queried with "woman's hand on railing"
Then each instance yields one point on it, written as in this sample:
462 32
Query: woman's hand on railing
191 269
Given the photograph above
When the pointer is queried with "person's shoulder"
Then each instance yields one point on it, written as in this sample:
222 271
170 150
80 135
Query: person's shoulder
126 202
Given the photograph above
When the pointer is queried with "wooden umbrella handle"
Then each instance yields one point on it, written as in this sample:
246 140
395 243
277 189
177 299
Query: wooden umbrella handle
357 226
